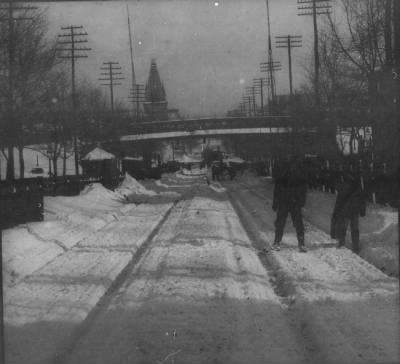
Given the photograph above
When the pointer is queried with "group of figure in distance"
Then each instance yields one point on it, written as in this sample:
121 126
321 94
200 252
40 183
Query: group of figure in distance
290 191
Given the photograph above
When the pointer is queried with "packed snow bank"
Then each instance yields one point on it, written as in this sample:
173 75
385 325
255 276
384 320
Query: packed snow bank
97 192
130 186
93 200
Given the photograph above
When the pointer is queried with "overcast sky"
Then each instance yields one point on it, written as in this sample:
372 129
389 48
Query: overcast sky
207 51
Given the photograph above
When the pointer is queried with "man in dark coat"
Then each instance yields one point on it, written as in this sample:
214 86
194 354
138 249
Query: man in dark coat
350 204
289 198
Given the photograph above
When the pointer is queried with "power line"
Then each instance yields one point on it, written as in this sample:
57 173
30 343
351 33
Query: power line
289 42
112 74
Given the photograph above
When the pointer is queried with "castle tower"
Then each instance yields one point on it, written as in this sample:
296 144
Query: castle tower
155 105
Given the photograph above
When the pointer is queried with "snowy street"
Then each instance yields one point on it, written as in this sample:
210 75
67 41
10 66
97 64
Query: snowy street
187 282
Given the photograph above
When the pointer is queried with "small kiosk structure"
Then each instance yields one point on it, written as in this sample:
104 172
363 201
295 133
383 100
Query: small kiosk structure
99 164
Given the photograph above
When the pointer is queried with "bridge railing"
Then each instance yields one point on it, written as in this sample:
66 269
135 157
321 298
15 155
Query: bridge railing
209 124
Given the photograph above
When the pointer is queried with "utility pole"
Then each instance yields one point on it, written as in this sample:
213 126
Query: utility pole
247 104
134 88
396 76
260 83
314 8
11 19
72 38
271 68
131 49
270 64
242 108
289 42
137 96
251 91
112 74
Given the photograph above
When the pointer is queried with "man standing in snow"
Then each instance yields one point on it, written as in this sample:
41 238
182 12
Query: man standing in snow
350 204
289 197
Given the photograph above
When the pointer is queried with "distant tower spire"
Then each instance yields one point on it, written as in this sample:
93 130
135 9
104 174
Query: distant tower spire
156 106
154 91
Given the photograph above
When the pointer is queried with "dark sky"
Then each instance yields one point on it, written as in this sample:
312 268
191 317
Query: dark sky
206 52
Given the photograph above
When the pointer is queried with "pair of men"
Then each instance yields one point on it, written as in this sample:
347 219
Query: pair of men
290 197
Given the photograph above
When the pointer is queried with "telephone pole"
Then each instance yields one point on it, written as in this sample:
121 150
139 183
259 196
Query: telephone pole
11 9
270 64
112 72
69 42
10 19
260 83
242 108
247 104
396 76
271 68
289 42
251 91
137 96
314 8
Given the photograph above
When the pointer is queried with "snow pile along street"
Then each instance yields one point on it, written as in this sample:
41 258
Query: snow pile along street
57 270
130 186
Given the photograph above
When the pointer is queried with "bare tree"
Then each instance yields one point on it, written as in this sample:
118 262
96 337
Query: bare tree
32 59
360 34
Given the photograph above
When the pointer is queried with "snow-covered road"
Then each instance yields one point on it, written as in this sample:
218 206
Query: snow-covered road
105 281
199 294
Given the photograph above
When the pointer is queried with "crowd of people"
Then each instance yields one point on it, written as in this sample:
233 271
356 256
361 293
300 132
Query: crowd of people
292 177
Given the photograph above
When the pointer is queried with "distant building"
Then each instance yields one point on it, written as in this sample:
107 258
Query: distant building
155 104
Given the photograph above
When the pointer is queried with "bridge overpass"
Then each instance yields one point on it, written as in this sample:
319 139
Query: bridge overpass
215 127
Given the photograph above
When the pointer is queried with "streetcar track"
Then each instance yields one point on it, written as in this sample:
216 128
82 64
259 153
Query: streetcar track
282 284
